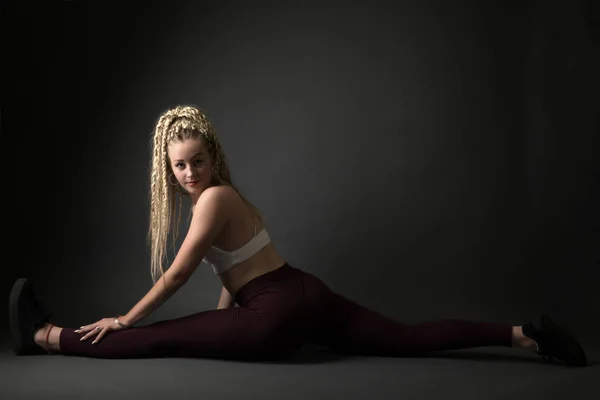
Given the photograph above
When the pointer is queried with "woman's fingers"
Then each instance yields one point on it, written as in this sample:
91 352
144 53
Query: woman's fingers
100 335
92 332
86 328
98 329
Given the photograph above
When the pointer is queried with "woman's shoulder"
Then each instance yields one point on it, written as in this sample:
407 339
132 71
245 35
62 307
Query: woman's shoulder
237 205
226 192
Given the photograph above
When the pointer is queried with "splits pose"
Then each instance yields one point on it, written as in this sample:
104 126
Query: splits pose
280 307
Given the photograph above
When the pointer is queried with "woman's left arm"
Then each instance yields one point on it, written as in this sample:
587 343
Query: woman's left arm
209 219
164 288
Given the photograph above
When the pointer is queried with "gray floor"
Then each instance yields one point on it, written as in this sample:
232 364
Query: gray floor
312 373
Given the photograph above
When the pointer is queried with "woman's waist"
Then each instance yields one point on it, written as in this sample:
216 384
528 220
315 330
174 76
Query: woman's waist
238 276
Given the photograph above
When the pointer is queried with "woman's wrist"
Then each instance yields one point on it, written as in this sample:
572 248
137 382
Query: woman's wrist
122 321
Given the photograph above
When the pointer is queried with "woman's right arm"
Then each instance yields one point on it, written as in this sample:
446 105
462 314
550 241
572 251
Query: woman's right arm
226 300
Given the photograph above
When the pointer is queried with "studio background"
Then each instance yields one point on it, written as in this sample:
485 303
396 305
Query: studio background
426 159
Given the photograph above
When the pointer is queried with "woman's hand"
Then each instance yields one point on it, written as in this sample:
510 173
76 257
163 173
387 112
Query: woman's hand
100 328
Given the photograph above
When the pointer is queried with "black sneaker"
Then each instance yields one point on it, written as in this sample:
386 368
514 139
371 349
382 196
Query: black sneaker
27 315
554 342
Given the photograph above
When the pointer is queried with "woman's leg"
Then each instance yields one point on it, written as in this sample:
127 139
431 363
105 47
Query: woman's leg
363 331
269 322
229 333
48 337
348 327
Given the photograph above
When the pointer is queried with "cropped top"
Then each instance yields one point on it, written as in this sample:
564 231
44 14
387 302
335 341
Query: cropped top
221 260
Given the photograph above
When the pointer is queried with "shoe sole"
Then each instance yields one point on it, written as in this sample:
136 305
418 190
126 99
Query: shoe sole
573 346
14 306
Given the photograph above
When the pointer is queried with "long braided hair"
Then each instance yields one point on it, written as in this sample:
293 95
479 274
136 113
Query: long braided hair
175 125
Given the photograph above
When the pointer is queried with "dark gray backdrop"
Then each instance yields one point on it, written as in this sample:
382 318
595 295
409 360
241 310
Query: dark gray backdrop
426 159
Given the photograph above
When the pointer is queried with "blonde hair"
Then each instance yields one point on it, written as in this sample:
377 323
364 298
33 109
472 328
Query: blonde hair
175 125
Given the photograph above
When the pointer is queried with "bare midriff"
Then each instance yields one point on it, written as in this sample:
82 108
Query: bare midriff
267 260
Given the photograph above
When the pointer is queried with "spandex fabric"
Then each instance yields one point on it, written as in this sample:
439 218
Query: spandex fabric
279 312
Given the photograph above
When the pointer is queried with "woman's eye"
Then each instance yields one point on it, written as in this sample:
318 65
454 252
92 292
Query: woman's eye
199 161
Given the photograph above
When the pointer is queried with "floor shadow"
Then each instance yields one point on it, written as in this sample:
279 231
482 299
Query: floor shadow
319 355
499 357
309 354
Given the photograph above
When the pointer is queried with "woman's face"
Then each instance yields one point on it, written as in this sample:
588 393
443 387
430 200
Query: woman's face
191 162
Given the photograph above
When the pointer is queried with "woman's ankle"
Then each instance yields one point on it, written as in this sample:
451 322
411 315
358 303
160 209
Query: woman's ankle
52 334
521 341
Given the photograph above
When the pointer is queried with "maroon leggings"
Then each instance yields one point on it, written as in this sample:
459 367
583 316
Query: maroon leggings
279 312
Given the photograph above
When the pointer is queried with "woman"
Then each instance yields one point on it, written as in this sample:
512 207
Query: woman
280 307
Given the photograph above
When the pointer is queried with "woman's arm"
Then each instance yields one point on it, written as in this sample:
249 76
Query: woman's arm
226 300
164 288
210 217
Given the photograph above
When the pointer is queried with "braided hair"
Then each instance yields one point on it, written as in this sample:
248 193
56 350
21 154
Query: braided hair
175 125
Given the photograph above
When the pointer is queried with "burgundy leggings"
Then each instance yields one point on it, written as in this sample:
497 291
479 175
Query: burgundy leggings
279 312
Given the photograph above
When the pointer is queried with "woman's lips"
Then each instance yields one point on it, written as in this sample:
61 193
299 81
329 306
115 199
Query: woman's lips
192 183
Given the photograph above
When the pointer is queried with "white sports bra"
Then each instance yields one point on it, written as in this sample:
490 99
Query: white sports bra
221 260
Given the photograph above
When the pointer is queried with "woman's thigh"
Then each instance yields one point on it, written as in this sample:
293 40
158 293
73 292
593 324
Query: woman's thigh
349 327
344 325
